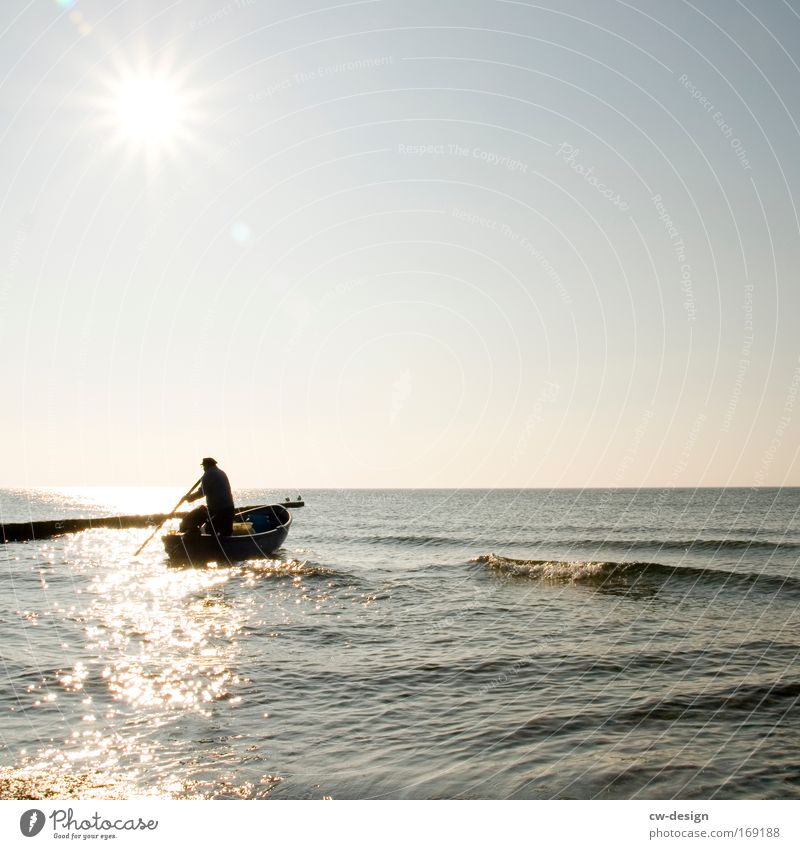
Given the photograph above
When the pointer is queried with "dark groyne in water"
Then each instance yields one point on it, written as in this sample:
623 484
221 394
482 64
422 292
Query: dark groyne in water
27 531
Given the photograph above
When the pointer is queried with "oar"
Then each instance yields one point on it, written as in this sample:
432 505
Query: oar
175 510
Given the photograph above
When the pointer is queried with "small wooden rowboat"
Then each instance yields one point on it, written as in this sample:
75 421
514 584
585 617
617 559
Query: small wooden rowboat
258 532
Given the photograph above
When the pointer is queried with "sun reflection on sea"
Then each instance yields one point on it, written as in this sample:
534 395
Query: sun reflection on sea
171 634
126 500
140 663
159 646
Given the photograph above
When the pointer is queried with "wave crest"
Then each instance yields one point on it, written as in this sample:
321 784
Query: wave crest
629 573
554 570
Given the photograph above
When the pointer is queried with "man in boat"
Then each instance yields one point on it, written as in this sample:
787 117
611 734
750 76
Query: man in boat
218 510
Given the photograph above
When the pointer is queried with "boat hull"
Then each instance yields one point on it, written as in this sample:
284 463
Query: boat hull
271 527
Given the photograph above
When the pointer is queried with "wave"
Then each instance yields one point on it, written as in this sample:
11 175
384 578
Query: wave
289 568
628 573
744 698
686 545
708 545
409 539
767 703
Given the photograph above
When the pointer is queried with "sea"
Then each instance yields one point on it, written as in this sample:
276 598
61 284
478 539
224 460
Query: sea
437 644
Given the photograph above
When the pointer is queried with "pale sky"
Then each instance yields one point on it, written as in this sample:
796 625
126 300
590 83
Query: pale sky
400 243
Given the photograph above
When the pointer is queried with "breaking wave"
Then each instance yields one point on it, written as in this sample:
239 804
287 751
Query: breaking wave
606 572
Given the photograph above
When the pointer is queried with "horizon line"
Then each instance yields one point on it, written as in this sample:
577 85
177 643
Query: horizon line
408 488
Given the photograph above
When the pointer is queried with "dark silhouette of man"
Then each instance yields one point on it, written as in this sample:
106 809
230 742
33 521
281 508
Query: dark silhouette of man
217 512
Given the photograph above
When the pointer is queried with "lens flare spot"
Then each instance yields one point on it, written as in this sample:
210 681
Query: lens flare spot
241 232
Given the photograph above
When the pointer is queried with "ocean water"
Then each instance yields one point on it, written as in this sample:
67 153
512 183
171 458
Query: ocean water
437 643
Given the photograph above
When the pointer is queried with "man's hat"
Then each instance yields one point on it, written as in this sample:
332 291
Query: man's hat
208 461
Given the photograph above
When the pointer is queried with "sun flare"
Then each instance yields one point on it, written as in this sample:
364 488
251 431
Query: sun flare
148 109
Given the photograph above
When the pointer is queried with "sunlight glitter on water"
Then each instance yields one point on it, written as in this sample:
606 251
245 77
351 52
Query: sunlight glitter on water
172 644
159 646
127 500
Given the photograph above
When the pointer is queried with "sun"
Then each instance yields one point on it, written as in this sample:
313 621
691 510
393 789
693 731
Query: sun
148 110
